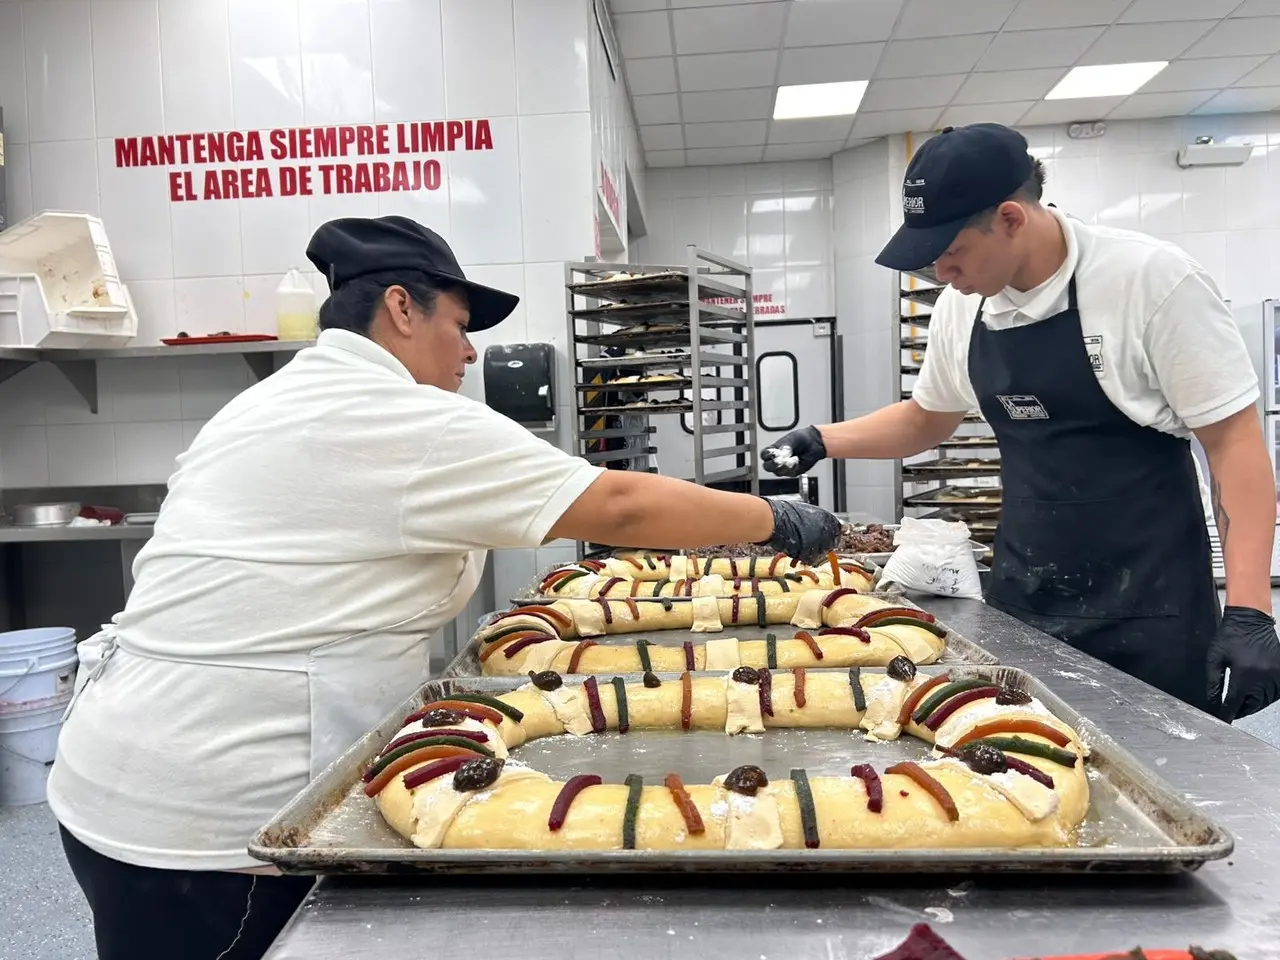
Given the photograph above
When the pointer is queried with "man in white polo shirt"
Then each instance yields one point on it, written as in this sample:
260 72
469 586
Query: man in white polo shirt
1099 352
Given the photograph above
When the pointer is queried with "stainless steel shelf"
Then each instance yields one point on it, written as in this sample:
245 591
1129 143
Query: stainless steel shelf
119 531
195 349
678 359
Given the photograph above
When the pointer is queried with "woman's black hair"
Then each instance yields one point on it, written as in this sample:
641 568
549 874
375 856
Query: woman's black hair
354 305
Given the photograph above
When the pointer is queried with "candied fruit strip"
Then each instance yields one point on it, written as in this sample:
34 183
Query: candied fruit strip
1027 770
497 645
875 789
919 694
930 785
835 568
1015 725
540 610
684 803
472 710
871 616
598 722
766 693
939 716
646 664
944 693
807 639
492 702
620 694
412 759
798 686
512 649
689 662
686 700
835 595
846 632
808 815
565 798
381 762
771 651
1032 748
633 608
576 657
439 768
635 784
417 735
607 586
859 695
933 628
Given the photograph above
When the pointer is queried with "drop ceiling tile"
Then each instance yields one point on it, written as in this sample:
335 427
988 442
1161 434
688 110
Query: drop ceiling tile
872 125
664 158
1159 104
643 34
1266 75
635 6
801 151
666 136
906 94
1207 74
725 29
716 155
1240 38
810 130
815 23
1243 100
660 108
727 71
855 61
1046 14
732 133
1008 85
1007 113
1151 11
948 18
651 75
1142 42
1028 49
1069 111
935 55
751 104
678 4
1256 8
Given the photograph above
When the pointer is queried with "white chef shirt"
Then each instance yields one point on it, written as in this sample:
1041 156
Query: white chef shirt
336 497
1171 354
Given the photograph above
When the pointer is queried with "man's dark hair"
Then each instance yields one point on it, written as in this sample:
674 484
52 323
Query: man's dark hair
354 305
1031 190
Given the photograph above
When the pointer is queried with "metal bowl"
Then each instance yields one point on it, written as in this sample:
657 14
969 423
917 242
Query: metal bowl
43 514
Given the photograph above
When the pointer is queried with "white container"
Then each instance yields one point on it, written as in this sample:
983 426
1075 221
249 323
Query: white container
295 308
59 286
37 664
28 745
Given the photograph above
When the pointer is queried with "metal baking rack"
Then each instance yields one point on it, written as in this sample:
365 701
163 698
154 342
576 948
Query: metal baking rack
968 460
693 322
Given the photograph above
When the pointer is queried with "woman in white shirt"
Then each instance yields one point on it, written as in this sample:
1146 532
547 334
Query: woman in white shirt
315 534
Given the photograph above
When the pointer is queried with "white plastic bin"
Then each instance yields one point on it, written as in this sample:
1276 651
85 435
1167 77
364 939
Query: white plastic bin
38 663
59 286
28 745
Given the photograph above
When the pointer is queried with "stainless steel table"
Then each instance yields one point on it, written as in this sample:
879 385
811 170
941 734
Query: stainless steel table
1230 904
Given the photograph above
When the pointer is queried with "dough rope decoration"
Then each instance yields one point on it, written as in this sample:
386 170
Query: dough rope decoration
837 628
1004 772
660 575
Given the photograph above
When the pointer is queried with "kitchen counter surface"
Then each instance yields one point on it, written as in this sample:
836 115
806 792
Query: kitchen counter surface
1228 904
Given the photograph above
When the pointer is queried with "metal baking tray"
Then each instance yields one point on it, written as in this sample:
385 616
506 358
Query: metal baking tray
951 468
653 287
675 311
1137 823
926 296
916 320
954 496
664 335
676 359
958 649
675 383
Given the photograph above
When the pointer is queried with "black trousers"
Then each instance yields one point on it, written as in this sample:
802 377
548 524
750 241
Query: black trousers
141 913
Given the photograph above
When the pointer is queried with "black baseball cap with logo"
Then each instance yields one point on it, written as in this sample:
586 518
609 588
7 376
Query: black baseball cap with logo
357 246
959 172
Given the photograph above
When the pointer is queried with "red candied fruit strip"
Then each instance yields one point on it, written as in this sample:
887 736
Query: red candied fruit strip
576 657
845 632
431 771
918 694
684 803
809 642
766 691
1027 770
514 648
564 800
598 722
798 674
417 735
686 700
939 716
875 790
872 616
835 595
689 662
930 785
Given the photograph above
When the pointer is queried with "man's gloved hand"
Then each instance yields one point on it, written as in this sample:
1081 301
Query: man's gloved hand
1247 644
802 530
794 454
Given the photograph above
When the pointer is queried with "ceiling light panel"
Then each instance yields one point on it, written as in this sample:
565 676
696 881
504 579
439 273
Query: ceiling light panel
799 101
1105 80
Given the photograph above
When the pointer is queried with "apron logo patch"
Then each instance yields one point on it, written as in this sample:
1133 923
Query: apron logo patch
1093 347
1023 407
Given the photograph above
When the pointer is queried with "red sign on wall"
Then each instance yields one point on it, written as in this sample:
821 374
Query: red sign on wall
250 164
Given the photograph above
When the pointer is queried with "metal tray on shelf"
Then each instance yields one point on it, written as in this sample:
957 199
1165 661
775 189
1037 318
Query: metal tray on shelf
672 335
627 314
953 496
643 407
1136 823
969 443
926 296
679 359
916 320
654 287
958 649
951 468
913 343
639 386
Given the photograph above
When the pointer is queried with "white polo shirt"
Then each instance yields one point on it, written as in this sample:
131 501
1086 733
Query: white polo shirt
1171 356
335 499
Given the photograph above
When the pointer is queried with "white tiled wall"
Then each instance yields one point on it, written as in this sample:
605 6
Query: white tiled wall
1227 218
74 74
776 217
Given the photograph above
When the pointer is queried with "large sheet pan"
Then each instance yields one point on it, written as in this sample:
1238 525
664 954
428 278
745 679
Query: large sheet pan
958 649
1137 822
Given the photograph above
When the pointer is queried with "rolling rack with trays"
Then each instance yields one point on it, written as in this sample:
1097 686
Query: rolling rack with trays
657 330
962 481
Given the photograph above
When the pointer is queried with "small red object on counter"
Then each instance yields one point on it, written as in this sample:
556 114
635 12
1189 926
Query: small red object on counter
923 943
107 514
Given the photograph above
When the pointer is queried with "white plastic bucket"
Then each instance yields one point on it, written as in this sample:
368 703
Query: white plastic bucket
28 744
37 664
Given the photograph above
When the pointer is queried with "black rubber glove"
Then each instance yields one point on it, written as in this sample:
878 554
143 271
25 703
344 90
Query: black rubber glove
1247 643
802 530
794 454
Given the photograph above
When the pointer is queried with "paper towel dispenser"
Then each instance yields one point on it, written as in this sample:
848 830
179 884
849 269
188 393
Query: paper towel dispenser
519 382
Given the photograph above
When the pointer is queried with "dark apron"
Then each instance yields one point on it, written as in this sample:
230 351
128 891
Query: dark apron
1102 540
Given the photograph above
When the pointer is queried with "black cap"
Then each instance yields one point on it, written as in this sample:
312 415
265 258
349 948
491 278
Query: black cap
357 246
959 172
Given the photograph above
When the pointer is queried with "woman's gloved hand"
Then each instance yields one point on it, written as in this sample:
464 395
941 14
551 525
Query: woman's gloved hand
1247 643
802 530
794 454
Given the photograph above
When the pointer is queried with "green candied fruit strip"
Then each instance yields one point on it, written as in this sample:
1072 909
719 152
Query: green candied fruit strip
635 784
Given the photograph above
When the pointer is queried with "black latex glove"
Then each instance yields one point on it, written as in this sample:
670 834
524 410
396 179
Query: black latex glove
804 446
1246 642
802 530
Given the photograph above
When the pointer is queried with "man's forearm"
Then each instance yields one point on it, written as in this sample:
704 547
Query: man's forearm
891 433
1243 496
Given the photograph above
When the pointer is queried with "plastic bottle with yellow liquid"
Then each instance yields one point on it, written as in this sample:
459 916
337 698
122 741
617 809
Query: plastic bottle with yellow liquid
296 308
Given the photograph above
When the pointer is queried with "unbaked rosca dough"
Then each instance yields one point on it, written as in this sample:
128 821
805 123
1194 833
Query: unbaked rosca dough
1038 801
841 625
